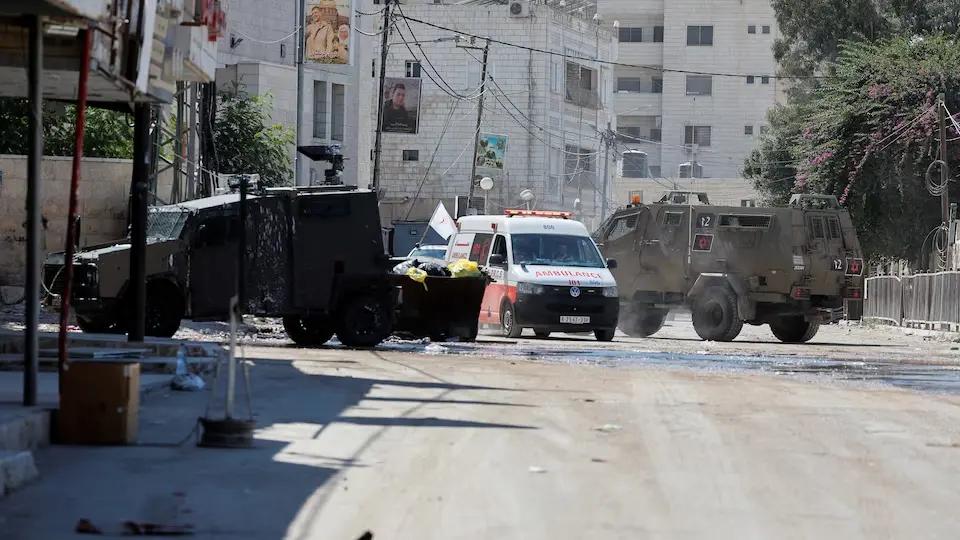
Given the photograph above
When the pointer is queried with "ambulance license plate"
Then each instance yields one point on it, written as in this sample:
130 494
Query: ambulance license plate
571 319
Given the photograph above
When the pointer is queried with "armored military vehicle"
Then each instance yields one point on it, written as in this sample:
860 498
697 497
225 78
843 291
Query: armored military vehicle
314 256
791 268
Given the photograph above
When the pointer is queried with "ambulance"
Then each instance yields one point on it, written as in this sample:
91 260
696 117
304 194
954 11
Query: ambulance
547 273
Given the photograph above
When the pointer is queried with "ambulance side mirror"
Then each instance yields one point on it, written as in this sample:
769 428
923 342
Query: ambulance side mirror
611 263
497 259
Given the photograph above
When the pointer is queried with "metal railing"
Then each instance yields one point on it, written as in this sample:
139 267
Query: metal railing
920 299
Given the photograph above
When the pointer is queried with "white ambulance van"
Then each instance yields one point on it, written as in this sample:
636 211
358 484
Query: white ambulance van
548 274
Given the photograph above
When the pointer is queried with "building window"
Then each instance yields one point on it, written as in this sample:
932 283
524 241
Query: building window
699 85
751 79
748 130
764 80
699 135
628 84
337 115
320 110
752 29
658 34
630 133
635 164
581 84
556 75
766 29
655 171
413 69
657 85
700 36
764 130
656 134
283 50
631 35
577 160
411 155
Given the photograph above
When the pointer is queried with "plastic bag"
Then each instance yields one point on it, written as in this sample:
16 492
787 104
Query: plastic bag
464 268
418 275
402 268
188 382
434 269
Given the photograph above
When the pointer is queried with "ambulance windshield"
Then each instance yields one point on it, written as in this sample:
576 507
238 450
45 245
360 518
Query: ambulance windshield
555 250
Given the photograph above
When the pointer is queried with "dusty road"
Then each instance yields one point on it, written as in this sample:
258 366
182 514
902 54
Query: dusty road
509 440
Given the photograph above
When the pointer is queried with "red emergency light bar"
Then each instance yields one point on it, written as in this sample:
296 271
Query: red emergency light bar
538 213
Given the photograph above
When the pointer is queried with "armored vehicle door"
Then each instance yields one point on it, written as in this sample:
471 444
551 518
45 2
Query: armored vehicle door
623 240
213 264
670 260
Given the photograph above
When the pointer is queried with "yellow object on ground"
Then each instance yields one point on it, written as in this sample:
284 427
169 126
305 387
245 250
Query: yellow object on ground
464 268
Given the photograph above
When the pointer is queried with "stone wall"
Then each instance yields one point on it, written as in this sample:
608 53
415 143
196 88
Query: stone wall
104 189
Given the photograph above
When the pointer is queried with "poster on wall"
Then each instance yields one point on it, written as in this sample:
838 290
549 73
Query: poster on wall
401 104
327 31
491 151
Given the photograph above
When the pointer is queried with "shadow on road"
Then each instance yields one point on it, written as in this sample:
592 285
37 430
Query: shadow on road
253 493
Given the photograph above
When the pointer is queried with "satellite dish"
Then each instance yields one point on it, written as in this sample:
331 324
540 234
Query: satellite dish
486 183
527 195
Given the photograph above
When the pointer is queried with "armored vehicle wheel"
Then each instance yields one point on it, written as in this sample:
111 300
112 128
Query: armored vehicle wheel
365 321
101 324
307 332
542 334
165 308
715 315
604 335
794 329
508 321
641 321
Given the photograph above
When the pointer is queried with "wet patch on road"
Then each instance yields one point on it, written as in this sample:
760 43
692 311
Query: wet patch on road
915 376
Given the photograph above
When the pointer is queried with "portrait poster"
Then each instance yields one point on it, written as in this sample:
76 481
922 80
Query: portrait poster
401 104
491 151
327 31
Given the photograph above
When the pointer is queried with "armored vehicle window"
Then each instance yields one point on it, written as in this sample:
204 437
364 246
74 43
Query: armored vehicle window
673 218
623 227
833 227
816 227
745 221
166 224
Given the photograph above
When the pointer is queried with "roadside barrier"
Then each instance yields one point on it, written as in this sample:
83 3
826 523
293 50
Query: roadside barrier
929 301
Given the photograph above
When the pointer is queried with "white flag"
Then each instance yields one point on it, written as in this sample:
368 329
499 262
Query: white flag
442 222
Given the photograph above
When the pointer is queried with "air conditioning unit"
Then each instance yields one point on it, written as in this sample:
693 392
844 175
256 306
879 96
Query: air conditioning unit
519 8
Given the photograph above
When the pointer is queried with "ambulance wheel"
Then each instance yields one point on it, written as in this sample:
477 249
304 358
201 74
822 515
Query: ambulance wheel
365 321
794 329
715 315
604 334
307 332
642 321
542 334
508 321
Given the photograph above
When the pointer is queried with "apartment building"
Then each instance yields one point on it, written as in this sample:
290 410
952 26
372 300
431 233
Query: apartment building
696 102
547 99
258 52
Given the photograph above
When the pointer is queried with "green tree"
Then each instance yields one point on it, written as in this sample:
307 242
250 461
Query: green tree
108 134
868 135
246 141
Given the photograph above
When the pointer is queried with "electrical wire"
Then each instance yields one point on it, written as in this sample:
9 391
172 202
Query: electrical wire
607 62
443 87
266 42
419 46
433 157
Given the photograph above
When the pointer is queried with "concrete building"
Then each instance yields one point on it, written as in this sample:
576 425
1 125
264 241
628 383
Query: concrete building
258 53
550 107
684 115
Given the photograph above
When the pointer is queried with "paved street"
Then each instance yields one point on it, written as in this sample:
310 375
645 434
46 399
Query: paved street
661 438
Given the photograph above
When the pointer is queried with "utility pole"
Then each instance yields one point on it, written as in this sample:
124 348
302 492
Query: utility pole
375 184
945 178
476 135
138 222
31 352
300 25
607 135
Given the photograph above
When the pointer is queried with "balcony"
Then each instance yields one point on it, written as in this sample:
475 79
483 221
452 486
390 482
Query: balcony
640 103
